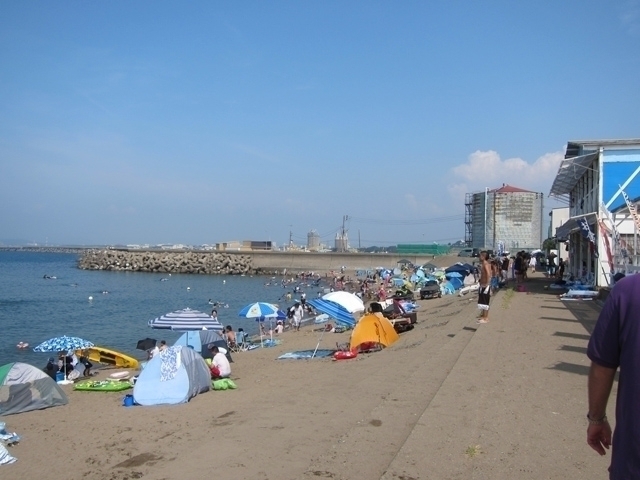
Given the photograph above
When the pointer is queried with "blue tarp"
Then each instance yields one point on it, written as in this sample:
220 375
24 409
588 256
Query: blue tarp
338 312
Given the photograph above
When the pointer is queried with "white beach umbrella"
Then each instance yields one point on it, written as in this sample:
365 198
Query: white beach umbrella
349 301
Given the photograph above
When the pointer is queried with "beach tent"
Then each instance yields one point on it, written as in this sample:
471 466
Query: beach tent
174 376
463 269
197 339
447 289
200 340
372 328
456 282
24 387
469 280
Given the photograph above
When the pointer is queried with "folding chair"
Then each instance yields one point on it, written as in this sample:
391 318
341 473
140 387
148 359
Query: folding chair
241 342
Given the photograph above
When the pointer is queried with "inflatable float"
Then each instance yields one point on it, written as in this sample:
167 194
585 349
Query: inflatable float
22 345
120 375
102 386
110 357
345 355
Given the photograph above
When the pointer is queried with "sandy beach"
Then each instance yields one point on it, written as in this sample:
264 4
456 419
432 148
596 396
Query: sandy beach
450 400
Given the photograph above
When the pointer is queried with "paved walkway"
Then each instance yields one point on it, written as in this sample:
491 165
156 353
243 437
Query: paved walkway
514 403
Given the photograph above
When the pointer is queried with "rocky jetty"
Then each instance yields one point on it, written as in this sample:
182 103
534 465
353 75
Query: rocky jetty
205 263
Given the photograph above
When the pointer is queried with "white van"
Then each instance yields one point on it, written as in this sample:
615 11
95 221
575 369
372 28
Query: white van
466 252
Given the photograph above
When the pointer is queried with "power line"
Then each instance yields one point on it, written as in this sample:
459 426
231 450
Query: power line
449 218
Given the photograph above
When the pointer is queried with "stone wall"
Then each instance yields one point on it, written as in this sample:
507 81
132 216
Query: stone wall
237 263
206 263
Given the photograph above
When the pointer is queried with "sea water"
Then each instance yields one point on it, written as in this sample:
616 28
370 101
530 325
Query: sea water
111 309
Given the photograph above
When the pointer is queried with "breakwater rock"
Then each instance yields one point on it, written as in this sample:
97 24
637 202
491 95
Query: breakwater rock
206 263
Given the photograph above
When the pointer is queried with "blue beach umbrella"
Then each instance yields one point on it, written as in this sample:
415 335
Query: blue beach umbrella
259 309
334 310
453 274
63 344
186 320
280 315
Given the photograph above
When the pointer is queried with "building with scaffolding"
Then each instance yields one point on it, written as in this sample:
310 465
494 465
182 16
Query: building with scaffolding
599 180
504 219
313 241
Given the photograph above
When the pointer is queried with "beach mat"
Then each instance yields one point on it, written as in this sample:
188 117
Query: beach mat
301 354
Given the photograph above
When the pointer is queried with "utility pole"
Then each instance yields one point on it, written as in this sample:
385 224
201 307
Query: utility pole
343 243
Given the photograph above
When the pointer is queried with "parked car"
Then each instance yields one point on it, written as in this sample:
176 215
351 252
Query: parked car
431 289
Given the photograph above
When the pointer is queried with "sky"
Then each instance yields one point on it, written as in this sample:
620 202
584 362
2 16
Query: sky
199 122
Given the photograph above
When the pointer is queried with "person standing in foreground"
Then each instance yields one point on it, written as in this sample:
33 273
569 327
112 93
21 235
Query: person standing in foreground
484 292
615 342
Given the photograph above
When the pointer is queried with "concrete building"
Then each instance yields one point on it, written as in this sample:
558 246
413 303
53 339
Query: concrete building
341 242
506 218
599 179
559 216
313 241
245 246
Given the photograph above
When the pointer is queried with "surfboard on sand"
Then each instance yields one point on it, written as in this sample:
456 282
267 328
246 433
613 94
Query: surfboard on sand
110 357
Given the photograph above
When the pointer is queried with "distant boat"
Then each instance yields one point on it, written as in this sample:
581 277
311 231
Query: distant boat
164 279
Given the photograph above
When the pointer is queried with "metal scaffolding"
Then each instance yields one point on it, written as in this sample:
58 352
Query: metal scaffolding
468 219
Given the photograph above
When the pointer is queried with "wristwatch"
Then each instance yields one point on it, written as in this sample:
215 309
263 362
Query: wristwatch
596 421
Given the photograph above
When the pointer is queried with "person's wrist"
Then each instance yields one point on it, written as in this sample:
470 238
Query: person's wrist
596 420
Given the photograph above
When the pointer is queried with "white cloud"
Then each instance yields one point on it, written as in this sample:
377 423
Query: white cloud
457 191
487 169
